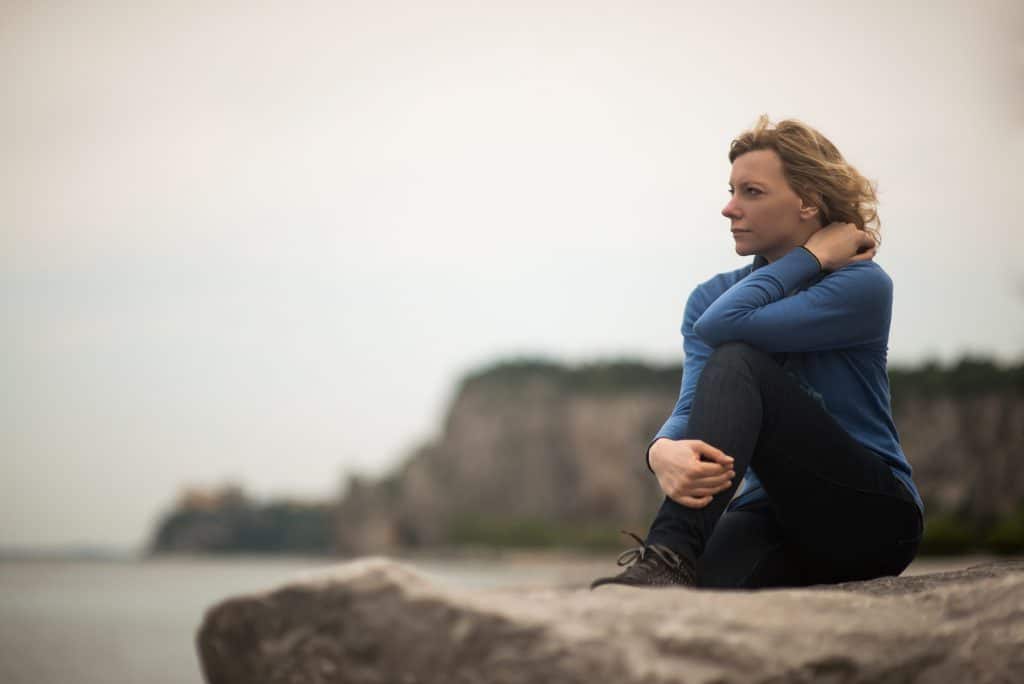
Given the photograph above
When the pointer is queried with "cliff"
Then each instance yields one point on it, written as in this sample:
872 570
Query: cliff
225 520
535 453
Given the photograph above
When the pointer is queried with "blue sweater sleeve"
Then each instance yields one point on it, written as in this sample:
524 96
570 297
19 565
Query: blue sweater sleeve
696 353
848 308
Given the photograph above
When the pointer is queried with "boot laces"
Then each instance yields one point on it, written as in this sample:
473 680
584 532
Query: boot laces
644 550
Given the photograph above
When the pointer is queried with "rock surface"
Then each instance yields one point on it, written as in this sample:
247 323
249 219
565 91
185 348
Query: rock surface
376 620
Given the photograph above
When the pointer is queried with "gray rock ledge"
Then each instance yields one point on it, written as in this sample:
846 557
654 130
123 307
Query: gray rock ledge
374 620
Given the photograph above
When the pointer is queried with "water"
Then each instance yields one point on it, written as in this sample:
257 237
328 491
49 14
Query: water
128 622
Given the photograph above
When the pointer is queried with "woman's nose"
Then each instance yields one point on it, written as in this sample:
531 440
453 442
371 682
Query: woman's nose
729 210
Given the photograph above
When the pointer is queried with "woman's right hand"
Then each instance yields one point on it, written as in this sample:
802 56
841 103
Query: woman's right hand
684 477
839 244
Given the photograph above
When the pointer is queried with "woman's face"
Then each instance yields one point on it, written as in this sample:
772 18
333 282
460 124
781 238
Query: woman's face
767 217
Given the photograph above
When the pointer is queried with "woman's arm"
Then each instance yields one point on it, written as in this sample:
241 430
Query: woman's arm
696 353
849 308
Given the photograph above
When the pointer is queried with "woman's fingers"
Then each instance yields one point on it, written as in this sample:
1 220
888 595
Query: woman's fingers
713 480
700 488
694 502
707 491
715 454
864 256
865 245
702 471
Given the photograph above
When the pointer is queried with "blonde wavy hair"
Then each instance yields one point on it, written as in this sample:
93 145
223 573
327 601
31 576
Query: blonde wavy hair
816 171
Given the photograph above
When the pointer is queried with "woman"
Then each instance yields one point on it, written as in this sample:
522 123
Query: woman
785 389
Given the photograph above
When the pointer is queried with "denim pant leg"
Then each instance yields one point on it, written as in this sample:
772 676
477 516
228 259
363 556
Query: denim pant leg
837 502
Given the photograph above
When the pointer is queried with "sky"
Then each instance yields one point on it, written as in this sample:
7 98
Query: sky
262 244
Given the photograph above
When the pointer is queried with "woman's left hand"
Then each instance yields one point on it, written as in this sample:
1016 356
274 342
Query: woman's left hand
839 244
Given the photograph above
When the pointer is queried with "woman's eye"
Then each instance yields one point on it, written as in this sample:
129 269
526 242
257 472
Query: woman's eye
753 190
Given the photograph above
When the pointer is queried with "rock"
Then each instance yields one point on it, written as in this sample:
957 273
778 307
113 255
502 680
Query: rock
375 620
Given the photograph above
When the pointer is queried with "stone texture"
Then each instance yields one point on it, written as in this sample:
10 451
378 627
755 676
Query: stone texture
375 620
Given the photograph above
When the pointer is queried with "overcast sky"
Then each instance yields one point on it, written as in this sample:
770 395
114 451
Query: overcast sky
262 245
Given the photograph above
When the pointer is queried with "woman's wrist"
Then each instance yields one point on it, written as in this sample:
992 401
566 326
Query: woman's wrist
821 265
652 450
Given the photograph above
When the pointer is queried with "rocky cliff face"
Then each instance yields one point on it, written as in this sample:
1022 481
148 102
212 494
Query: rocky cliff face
526 451
966 452
512 453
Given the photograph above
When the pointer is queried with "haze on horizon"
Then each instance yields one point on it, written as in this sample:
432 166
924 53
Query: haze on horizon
262 244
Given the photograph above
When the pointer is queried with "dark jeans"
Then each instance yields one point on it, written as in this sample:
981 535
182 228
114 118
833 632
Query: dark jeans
834 512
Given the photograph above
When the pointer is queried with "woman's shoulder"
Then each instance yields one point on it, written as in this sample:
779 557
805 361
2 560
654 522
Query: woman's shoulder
869 273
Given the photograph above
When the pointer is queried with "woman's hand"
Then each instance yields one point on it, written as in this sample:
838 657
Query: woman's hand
684 477
839 244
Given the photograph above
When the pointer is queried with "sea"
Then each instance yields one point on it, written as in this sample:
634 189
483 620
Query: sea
134 620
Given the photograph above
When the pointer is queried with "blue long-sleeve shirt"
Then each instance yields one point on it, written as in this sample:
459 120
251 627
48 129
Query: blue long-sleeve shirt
830 330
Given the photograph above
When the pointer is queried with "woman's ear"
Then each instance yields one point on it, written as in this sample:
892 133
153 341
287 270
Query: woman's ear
809 204
807 212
